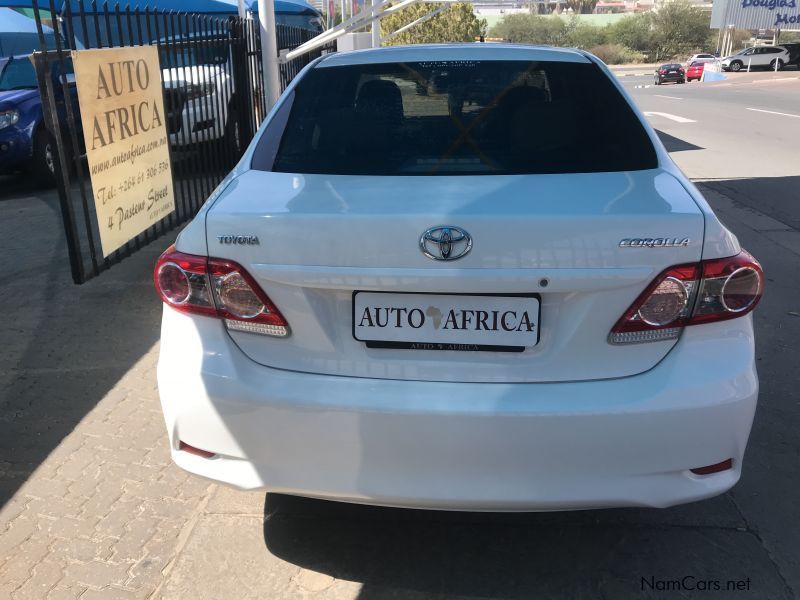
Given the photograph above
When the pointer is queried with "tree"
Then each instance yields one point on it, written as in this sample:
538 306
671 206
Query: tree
632 32
532 29
455 24
583 35
583 7
677 28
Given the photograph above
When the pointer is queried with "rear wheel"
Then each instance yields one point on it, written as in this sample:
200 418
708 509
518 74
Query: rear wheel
43 162
233 134
736 65
779 63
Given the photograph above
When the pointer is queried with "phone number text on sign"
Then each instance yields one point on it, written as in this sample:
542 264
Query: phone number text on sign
119 90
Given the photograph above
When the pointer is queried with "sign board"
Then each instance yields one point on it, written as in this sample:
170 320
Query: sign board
124 126
756 14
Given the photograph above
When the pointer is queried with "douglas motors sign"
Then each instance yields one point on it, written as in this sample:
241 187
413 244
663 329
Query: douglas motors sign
785 11
756 14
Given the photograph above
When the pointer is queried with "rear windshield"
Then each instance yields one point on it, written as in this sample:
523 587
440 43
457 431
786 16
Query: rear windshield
456 118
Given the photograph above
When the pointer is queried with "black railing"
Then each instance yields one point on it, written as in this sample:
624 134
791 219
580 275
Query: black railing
290 38
213 97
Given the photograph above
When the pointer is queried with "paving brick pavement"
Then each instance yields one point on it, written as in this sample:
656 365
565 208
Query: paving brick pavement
92 507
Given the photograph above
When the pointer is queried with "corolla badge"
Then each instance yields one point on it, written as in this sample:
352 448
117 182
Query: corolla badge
445 242
673 242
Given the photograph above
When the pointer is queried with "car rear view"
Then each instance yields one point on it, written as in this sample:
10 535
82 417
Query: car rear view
462 277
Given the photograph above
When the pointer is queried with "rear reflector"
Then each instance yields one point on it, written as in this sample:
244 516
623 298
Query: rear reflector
183 446
715 468
713 290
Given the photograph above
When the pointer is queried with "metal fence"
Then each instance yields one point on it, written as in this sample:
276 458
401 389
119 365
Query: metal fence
210 118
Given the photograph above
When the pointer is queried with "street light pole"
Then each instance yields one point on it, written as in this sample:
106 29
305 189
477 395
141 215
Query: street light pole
269 51
376 30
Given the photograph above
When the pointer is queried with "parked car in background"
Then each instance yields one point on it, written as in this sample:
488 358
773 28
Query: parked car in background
25 143
434 297
701 58
764 56
199 92
793 49
670 72
695 70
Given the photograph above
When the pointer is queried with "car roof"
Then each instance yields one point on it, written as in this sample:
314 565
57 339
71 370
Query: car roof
451 52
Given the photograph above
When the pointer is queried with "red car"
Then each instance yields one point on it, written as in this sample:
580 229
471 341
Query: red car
695 70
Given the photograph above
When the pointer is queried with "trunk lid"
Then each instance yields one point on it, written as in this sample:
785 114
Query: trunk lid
321 238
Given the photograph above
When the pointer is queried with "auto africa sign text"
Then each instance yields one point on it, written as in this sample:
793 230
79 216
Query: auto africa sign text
115 79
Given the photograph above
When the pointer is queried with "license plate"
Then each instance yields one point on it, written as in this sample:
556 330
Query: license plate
457 322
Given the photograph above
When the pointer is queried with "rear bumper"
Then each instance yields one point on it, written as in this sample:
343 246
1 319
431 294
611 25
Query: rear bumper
622 442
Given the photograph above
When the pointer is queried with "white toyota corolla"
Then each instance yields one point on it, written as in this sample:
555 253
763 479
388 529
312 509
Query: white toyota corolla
461 277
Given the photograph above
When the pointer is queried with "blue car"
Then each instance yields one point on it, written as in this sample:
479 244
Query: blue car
25 143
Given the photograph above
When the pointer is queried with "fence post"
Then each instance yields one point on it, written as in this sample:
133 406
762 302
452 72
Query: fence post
269 51
242 99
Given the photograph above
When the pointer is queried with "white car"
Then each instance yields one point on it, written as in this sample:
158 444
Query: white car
439 278
763 56
199 90
703 58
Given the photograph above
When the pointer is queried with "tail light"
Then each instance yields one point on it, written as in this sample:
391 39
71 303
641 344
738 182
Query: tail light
713 290
217 288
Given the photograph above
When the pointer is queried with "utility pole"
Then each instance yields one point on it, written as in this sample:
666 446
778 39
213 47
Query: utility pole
376 29
269 51
241 9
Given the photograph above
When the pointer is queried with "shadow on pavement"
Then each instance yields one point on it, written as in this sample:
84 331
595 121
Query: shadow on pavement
631 553
673 144
777 197
64 346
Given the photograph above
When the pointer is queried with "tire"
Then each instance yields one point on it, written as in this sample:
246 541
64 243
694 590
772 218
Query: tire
43 165
681 81
772 64
736 66
233 137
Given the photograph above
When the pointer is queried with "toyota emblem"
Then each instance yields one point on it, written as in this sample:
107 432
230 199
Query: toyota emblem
445 242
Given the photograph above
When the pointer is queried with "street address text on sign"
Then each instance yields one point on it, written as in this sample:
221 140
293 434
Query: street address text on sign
124 126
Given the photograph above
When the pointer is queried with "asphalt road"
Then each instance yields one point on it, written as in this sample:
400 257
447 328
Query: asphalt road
744 130
747 163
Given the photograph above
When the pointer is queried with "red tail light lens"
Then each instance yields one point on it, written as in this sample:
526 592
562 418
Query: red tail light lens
714 290
731 288
218 288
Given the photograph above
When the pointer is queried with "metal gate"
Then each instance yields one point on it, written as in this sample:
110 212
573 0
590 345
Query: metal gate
206 138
